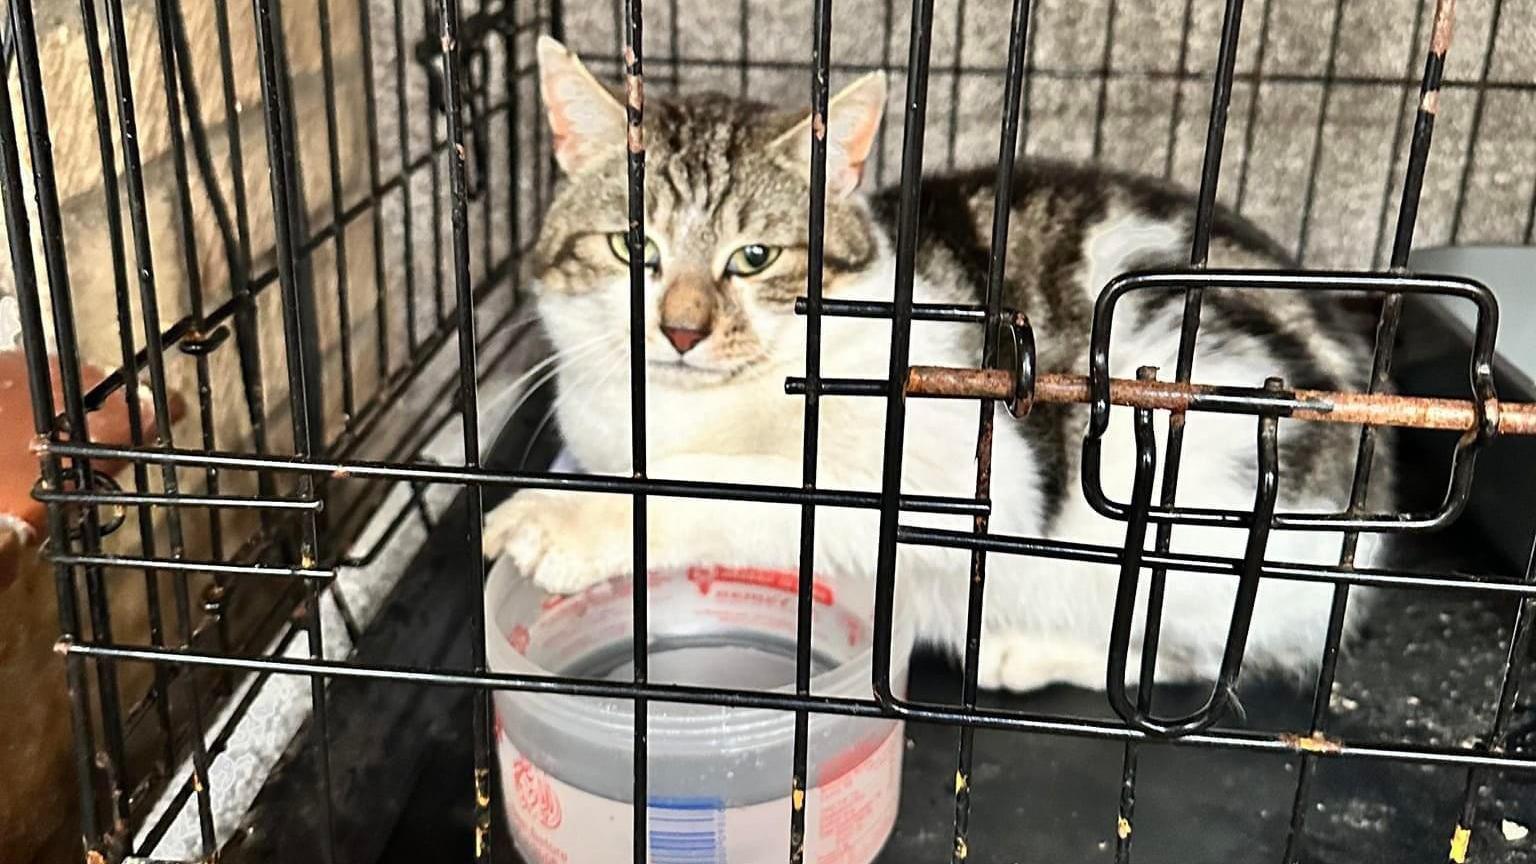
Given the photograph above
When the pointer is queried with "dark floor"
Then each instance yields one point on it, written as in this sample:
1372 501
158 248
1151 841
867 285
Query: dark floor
1426 672
1039 798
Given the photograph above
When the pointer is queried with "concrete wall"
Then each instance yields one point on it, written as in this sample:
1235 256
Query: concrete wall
1155 108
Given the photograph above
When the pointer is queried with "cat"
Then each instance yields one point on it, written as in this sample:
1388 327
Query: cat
727 184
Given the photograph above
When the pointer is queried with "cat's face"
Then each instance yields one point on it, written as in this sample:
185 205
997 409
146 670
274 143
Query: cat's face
726 220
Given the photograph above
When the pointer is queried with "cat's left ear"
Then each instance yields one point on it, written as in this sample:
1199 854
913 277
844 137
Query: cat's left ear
854 114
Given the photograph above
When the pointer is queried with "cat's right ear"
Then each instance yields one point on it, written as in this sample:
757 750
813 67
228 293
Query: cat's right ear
586 121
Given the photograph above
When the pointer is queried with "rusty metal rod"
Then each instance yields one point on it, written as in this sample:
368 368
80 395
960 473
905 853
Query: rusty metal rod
1416 412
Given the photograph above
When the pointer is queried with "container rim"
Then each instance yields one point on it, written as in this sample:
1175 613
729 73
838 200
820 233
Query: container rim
608 715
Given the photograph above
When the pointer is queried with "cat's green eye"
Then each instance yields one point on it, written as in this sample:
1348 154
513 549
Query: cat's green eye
751 260
618 243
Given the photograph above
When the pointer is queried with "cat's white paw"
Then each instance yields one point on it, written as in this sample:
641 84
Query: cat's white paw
1023 662
563 541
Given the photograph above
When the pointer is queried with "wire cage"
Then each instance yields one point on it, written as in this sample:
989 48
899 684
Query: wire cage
294 301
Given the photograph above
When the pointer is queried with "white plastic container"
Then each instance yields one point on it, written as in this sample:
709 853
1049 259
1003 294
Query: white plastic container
718 778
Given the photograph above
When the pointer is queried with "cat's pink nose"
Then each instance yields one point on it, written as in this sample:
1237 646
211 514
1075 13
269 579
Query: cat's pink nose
683 338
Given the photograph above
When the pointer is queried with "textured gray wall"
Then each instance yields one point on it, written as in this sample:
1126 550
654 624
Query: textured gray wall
1155 108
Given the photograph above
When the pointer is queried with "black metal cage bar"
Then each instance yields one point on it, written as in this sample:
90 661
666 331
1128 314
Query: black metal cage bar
308 489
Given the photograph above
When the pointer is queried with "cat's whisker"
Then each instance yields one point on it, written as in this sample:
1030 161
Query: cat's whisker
533 370
517 328
518 322
547 369
556 356
533 438
594 381
576 386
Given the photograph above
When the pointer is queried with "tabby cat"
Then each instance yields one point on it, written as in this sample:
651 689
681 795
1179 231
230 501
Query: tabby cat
727 185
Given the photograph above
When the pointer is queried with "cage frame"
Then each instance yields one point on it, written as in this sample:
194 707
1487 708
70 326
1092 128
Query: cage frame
66 452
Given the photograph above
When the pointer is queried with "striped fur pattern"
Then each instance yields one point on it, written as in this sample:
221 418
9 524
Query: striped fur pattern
723 176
